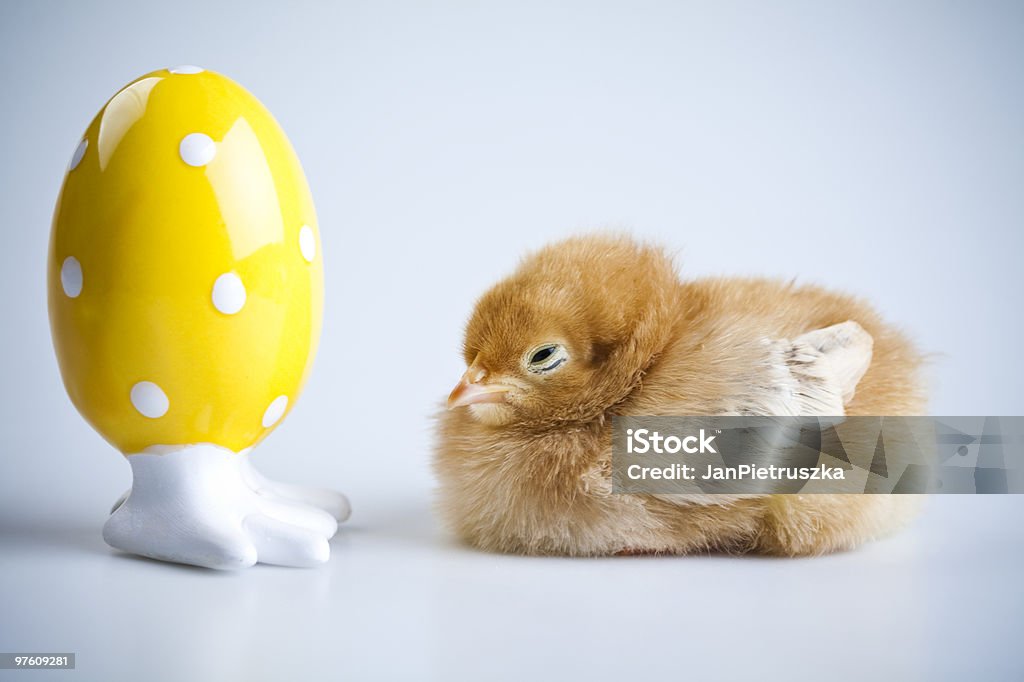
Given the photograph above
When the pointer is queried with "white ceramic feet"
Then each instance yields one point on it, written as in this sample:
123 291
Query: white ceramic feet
206 506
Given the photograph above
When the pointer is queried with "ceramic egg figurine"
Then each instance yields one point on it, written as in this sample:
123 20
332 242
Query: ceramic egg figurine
185 295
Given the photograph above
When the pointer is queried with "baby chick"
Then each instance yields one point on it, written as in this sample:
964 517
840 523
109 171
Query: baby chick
598 326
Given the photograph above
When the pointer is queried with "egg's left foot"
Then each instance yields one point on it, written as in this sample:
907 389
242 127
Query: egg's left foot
195 505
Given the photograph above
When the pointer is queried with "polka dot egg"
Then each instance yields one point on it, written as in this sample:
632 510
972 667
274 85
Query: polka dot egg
185 282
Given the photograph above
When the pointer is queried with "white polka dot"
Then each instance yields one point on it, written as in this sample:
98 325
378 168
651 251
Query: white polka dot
275 411
186 69
307 243
76 158
149 399
228 293
71 276
197 149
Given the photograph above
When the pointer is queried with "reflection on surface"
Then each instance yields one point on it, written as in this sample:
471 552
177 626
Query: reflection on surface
120 114
241 179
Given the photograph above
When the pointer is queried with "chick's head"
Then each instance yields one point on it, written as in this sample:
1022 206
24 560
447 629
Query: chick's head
569 334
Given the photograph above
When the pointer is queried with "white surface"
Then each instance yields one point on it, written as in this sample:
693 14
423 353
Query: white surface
398 601
875 147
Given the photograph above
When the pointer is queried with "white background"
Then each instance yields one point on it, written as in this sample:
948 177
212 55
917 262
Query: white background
873 147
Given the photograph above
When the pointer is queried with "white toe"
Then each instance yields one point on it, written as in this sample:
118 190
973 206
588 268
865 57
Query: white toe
283 544
159 537
223 550
120 501
304 516
330 501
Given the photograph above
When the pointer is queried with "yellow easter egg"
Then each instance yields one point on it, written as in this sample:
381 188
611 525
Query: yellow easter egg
185 278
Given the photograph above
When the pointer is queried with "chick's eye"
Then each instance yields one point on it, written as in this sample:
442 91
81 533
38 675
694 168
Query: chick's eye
542 355
546 358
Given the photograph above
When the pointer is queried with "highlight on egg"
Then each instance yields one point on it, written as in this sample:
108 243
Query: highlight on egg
185 294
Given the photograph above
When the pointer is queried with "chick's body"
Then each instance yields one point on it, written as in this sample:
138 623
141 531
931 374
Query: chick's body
595 327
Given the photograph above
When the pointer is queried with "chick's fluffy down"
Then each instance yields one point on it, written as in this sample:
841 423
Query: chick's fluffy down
528 471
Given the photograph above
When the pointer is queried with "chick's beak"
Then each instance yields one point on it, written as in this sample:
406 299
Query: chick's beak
473 389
